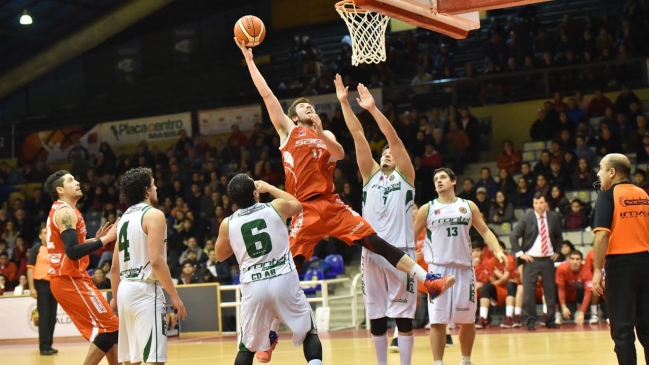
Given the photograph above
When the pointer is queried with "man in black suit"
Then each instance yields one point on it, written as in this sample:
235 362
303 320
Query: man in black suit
541 233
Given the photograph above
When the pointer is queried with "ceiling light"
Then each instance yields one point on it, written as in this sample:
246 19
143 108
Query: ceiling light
26 19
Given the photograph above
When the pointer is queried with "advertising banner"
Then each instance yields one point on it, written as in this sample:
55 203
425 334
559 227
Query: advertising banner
152 129
56 145
219 121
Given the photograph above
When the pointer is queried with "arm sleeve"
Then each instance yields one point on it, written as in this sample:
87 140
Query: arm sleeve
604 211
33 254
73 249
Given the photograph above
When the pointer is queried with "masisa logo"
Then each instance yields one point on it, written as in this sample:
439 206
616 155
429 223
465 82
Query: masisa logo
163 129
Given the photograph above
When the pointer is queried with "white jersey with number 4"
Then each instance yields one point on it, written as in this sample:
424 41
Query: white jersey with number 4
447 233
259 239
134 263
387 206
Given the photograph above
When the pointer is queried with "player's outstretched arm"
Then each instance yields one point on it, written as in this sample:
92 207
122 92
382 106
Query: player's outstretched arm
397 149
281 122
222 247
366 163
285 204
154 225
66 220
420 219
488 236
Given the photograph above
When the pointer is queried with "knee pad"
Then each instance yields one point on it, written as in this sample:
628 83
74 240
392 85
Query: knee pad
511 289
105 341
379 326
312 347
244 357
404 324
378 245
488 291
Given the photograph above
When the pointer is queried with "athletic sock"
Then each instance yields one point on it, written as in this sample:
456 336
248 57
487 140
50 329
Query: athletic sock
484 312
509 310
418 273
438 362
545 309
274 325
593 309
465 360
381 349
315 362
518 311
396 332
406 344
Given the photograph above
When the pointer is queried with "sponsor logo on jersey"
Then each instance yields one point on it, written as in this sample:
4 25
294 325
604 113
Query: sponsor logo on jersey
392 178
398 300
307 141
465 309
356 228
463 210
301 133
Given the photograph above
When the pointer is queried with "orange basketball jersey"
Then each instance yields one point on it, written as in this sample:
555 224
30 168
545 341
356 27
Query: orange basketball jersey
60 264
307 164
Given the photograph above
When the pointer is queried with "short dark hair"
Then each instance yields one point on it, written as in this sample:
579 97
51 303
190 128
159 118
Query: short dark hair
569 244
577 252
240 190
538 196
620 166
469 179
4 253
187 262
477 244
448 172
134 184
55 181
291 110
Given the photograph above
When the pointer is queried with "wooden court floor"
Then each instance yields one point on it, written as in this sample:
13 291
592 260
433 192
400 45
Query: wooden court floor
569 345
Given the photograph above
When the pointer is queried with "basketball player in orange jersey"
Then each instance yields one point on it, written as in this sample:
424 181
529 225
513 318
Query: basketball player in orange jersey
309 155
70 283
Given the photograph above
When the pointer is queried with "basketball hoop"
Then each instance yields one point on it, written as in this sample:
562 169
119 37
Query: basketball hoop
367 31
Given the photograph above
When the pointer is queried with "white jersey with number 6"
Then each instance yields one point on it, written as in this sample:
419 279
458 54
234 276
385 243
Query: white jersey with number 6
447 233
387 206
259 239
134 260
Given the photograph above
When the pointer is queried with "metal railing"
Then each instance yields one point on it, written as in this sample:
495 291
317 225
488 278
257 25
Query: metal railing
323 298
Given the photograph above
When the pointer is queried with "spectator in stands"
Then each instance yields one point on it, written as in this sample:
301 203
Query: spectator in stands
625 98
3 221
100 280
543 166
501 211
526 172
542 187
569 164
487 182
576 219
10 234
8 269
23 286
189 275
219 270
584 177
582 150
558 176
607 143
483 203
5 248
642 154
506 183
471 127
557 201
468 190
598 104
192 246
639 179
20 251
522 197
574 112
510 159
566 248
459 145
574 286
431 158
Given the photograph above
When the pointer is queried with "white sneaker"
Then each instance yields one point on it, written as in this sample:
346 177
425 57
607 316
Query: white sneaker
466 362
427 326
594 319
557 318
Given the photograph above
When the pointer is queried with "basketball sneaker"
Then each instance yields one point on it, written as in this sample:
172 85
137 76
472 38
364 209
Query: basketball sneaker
482 323
594 319
437 285
507 323
264 356
394 345
449 341
517 321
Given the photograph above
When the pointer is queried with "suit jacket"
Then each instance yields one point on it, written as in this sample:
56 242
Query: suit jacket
528 229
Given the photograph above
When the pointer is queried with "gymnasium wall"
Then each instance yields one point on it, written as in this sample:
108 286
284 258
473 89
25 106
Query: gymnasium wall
513 121
296 13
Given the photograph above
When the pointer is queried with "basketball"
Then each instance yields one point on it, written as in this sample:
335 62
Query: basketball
250 30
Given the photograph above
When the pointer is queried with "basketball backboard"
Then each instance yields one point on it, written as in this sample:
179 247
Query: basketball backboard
463 6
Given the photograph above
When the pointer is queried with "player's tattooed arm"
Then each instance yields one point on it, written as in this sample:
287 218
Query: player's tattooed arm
67 220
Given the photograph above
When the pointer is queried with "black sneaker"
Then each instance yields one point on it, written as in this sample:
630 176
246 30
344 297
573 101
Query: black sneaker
449 340
394 345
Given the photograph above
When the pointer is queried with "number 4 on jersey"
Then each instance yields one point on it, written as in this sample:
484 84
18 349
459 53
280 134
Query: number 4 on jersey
123 241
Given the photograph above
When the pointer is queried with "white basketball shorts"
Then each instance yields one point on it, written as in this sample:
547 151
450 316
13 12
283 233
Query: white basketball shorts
142 322
264 300
458 303
387 292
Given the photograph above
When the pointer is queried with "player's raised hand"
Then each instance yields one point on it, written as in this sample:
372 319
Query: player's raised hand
342 91
262 186
247 52
317 123
111 235
365 98
101 232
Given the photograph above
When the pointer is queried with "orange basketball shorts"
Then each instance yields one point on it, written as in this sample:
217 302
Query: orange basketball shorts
326 215
85 305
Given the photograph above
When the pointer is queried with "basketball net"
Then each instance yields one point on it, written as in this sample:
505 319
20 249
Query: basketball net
367 31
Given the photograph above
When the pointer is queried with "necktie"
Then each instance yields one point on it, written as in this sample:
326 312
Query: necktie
545 247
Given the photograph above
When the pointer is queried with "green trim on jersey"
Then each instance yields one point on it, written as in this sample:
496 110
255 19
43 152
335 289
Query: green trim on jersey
371 176
146 209
272 206
403 177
